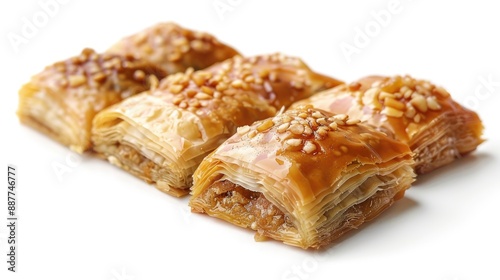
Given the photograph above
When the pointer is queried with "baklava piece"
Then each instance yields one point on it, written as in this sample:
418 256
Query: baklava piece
304 177
416 112
62 100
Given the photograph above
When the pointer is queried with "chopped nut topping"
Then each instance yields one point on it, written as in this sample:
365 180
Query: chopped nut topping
322 121
344 149
283 127
199 80
217 95
410 112
417 118
191 93
287 118
307 130
339 122
432 103
243 129
99 77
183 105
391 112
265 125
249 79
303 115
323 131
394 104
407 94
203 96
221 87
317 114
175 88
419 102
177 100
77 80
352 121
297 129
237 84
293 142
194 103
404 97
207 90
383 95
309 147
341 117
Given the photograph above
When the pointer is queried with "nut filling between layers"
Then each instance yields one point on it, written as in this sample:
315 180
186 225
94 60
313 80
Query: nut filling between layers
124 156
252 209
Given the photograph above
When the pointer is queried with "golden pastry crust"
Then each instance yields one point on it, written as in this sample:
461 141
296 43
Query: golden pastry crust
416 112
169 130
324 174
174 48
62 100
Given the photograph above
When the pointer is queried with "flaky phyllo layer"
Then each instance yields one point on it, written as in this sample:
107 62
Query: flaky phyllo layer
162 135
304 177
415 112
448 137
161 143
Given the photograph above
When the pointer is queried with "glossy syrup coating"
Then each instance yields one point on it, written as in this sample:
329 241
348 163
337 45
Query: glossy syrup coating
174 48
278 78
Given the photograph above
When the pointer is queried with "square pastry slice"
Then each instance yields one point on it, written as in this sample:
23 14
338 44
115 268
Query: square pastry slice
415 112
162 136
174 48
304 177
62 100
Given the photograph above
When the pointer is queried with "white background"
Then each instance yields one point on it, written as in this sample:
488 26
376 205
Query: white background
98 222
